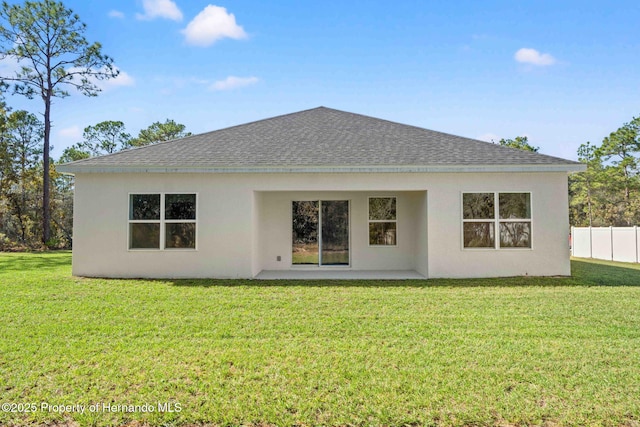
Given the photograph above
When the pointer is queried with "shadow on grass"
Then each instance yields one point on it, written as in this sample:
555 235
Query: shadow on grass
584 273
605 273
29 261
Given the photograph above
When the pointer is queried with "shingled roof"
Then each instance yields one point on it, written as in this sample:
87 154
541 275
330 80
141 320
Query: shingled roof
322 139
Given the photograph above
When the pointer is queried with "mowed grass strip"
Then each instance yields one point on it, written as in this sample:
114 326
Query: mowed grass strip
519 351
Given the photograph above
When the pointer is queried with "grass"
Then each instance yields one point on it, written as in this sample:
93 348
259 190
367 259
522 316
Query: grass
517 351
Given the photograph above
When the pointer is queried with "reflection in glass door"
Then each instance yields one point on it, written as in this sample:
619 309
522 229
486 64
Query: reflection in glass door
305 233
320 232
335 232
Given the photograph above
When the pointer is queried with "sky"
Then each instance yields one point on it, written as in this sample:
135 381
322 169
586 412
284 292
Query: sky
559 72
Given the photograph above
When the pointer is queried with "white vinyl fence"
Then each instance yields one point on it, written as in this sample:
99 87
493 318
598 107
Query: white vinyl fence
610 243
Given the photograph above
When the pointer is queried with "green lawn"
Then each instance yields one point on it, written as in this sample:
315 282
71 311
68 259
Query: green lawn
518 351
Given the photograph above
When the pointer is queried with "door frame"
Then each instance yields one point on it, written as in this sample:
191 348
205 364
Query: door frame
319 264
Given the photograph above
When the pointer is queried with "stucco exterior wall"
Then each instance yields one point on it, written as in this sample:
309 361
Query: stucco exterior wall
275 229
101 210
549 254
244 222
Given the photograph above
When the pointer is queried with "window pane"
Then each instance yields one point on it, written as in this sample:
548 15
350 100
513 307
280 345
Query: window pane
144 236
515 234
382 233
180 206
479 235
305 232
335 232
515 205
144 206
478 206
382 208
180 235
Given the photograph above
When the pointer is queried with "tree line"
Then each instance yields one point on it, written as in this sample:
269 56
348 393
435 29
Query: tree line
21 174
608 192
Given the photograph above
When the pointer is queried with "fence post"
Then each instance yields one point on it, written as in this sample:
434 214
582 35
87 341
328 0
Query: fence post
611 240
635 229
590 242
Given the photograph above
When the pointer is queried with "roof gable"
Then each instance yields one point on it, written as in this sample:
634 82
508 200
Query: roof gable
321 139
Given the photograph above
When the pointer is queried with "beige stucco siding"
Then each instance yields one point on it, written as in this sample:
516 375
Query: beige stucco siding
244 223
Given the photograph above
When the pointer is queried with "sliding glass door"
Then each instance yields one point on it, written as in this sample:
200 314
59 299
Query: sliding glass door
320 232
305 233
334 230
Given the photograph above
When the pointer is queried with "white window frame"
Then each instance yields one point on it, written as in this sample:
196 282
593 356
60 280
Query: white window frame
320 265
369 221
496 220
162 221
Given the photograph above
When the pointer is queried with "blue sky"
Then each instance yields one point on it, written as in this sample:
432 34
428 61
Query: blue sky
560 72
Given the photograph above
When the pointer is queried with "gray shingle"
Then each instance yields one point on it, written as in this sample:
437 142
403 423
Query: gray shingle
320 137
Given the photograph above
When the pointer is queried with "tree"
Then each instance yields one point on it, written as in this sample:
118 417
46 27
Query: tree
608 192
6 168
47 40
622 146
24 132
585 187
73 153
5 159
158 132
521 142
106 138
62 208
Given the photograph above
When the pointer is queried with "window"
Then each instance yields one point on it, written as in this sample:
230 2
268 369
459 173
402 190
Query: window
485 214
382 221
162 221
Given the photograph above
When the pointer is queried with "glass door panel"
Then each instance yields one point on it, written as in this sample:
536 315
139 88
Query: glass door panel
320 232
305 233
335 232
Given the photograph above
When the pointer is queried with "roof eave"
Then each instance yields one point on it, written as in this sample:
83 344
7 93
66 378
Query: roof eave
568 167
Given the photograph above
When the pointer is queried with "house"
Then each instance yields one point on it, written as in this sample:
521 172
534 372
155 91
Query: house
321 193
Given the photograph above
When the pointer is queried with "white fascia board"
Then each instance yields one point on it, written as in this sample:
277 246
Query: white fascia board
73 169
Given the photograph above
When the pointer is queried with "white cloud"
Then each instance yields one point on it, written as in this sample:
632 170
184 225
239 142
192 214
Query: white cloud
160 9
123 79
489 137
233 82
9 66
72 132
532 56
212 24
115 14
